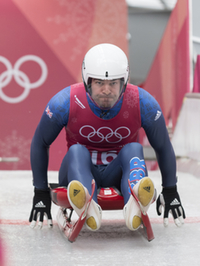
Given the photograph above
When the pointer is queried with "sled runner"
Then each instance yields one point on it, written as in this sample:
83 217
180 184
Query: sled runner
108 199
59 197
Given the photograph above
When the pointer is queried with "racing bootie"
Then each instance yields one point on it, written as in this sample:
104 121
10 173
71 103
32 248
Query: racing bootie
79 196
145 192
132 214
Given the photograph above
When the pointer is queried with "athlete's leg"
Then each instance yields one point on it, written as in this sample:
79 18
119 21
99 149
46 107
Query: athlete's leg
135 169
76 172
77 165
119 170
130 164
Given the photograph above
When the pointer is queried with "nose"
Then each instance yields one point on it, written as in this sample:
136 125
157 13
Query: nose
106 89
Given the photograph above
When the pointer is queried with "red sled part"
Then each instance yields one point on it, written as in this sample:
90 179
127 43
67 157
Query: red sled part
59 196
145 217
108 198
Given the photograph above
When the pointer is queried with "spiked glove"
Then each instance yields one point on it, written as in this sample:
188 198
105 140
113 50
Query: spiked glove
169 200
41 207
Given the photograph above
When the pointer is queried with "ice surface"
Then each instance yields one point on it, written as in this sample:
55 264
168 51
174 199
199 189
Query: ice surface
113 244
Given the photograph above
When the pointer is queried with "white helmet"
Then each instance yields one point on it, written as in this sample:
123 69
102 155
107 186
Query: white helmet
105 61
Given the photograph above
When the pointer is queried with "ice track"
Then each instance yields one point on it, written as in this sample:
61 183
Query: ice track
113 244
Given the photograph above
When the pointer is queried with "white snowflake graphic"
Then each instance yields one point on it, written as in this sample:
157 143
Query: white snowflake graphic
15 146
126 114
103 25
131 99
109 25
75 24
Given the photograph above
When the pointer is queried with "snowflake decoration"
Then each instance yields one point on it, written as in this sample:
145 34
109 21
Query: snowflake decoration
74 120
80 25
110 25
126 114
15 146
131 99
76 26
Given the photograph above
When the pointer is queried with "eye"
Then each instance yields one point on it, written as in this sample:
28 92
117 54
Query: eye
98 82
113 83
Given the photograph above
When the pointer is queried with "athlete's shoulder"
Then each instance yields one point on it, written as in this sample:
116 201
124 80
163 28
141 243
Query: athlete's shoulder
77 86
58 106
149 108
61 97
131 96
131 88
146 99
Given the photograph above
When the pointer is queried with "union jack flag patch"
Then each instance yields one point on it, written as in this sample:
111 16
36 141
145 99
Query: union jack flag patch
48 112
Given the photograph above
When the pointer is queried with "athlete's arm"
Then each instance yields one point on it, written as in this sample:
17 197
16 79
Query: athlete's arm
154 125
54 118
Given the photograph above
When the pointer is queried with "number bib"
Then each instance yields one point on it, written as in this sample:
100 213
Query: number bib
103 138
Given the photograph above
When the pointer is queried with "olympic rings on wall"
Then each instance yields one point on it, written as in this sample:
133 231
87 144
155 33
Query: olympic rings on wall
100 135
20 77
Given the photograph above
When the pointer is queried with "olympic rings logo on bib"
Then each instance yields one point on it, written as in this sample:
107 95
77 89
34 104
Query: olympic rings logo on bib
20 77
104 134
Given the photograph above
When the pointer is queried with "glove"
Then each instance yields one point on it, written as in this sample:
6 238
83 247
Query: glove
41 207
169 199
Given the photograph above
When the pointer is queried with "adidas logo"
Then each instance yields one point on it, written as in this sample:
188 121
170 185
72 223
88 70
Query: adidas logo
40 205
175 202
158 114
76 191
147 188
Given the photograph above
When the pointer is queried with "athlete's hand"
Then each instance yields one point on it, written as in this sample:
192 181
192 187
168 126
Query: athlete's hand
169 200
41 207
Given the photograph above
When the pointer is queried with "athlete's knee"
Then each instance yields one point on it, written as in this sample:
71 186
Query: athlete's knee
134 148
134 145
78 149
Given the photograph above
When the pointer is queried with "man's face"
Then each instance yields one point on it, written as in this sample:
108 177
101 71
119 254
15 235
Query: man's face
105 92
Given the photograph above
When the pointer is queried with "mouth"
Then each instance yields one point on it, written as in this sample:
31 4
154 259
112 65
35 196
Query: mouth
106 102
106 98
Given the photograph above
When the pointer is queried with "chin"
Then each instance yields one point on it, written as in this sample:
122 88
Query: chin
106 106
